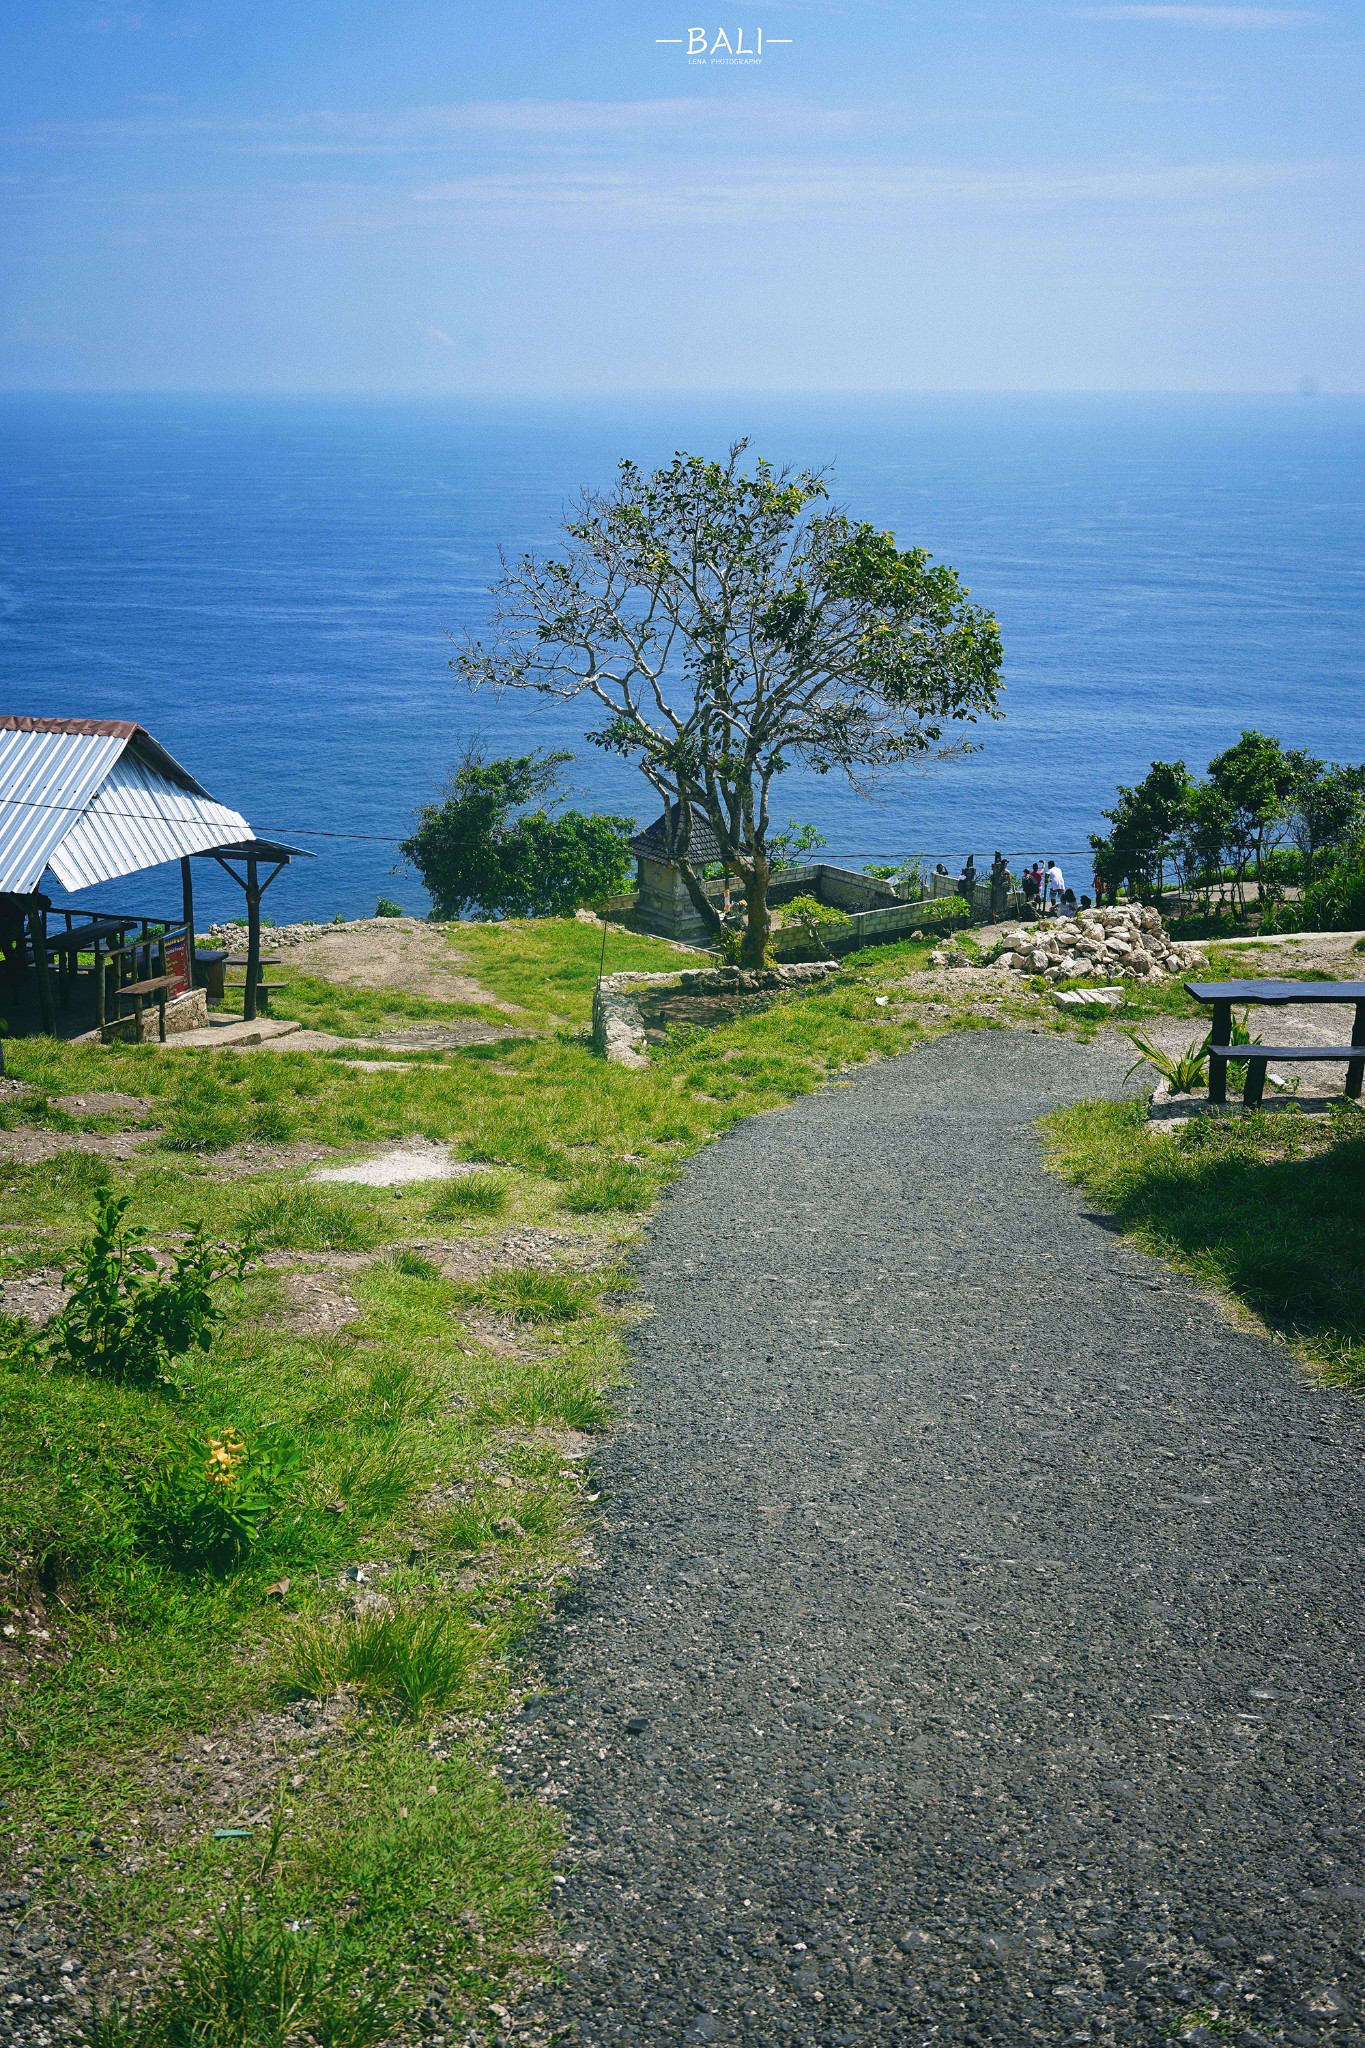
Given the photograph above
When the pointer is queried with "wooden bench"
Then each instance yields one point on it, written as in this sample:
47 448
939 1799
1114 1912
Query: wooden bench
157 986
1258 1058
264 989
1222 995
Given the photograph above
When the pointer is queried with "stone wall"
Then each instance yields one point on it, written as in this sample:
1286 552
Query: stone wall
630 1011
189 1012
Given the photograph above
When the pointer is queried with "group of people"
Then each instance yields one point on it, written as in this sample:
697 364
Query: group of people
1044 886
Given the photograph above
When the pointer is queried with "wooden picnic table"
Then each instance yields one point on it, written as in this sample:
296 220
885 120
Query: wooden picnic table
1223 996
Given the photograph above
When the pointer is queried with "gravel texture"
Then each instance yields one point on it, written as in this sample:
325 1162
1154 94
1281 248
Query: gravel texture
973 1655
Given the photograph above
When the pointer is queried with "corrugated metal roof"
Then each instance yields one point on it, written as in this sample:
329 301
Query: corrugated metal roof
96 798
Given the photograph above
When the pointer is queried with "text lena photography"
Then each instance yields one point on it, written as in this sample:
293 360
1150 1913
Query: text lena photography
577 583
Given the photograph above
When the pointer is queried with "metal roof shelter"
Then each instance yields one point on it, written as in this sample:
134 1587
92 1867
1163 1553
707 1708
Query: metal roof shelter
95 798
90 799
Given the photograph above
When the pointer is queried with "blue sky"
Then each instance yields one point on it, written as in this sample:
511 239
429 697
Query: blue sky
421 197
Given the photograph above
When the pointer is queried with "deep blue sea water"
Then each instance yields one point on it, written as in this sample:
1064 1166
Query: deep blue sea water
269 586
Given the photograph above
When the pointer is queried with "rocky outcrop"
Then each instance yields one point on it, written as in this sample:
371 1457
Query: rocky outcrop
1128 943
629 1009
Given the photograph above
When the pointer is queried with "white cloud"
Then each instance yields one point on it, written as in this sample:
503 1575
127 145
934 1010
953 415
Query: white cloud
360 132
1207 17
804 189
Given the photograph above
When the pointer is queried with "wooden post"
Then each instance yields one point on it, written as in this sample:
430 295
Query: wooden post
253 940
1355 1072
1221 1034
37 931
187 900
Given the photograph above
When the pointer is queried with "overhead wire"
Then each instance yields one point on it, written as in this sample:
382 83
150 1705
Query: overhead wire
388 839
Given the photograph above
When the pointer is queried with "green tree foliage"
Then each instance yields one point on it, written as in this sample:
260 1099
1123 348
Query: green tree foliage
789 849
728 627
484 851
1145 822
1233 826
1258 782
1330 810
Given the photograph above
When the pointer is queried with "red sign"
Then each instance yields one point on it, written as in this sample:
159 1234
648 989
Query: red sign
178 966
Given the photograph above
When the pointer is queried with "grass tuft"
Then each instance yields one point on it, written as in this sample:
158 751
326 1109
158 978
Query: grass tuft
530 1295
616 1185
470 1194
414 1660
252 1983
300 1218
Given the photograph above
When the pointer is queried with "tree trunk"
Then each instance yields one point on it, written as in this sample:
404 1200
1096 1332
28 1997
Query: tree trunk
758 923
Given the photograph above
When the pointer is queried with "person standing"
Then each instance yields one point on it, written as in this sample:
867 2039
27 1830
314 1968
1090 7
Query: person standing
1056 884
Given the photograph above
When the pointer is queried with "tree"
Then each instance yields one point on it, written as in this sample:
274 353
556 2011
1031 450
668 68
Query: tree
1146 820
483 850
727 629
1258 781
1329 808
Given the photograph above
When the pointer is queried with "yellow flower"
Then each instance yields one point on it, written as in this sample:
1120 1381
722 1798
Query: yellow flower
226 1453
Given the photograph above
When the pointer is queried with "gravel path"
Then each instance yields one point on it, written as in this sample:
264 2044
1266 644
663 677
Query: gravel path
973 1657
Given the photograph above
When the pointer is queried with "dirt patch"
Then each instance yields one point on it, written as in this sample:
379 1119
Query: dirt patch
1332 954
104 1105
29 1144
36 1296
412 1159
318 1303
237 1161
465 1258
398 953
452 1037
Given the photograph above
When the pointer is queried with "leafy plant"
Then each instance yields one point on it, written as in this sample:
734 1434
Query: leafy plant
208 1512
127 1321
789 849
417 1660
1183 1072
386 907
1186 1071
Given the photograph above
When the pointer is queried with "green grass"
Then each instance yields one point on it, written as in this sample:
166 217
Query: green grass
406 1423
1268 1208
548 966
365 1012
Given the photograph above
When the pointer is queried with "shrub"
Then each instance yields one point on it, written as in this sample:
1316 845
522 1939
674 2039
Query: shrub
483 849
416 1660
302 1218
208 1512
386 907
126 1321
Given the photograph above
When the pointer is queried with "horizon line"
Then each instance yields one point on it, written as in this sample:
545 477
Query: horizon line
522 393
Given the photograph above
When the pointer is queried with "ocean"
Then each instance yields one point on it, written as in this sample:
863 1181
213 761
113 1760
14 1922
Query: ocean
273 587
